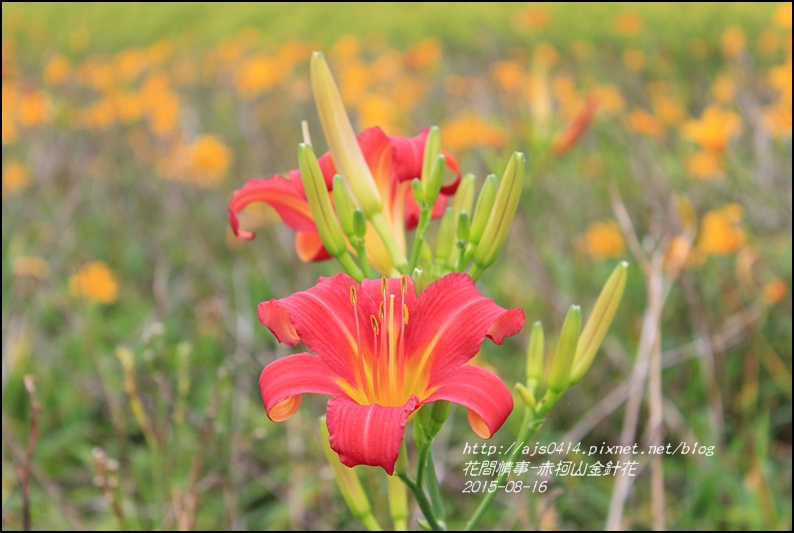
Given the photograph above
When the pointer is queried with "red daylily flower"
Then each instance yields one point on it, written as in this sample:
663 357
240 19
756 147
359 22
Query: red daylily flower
394 162
382 353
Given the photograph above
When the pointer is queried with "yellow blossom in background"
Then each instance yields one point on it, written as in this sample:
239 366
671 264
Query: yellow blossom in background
130 64
426 54
532 18
354 80
9 130
778 119
776 290
645 124
610 99
377 110
546 55
347 48
721 232
602 240
782 15
634 59
257 75
668 109
95 282
629 24
704 166
470 130
33 109
16 177
714 129
724 88
509 75
57 70
679 254
733 41
768 42
209 160
30 267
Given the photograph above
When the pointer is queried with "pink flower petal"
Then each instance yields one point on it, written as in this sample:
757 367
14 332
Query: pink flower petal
367 434
485 395
283 381
324 320
449 322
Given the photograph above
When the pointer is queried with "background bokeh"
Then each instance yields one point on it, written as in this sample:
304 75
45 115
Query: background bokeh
126 127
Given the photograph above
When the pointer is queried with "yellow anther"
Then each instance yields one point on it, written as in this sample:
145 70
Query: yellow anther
404 284
353 295
381 312
374 322
383 286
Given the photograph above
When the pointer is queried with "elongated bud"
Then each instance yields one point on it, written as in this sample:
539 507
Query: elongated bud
527 395
535 356
359 223
446 235
344 205
432 151
398 492
566 349
598 324
348 483
438 415
484 208
341 138
464 196
433 184
320 202
421 280
504 210
464 227
418 190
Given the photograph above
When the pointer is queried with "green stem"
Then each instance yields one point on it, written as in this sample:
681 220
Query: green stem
529 425
421 228
423 502
350 266
434 490
362 258
475 272
397 257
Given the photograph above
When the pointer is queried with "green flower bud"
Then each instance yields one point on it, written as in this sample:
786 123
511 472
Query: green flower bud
359 224
464 196
432 151
433 184
464 227
504 210
320 202
566 349
341 138
484 208
535 356
418 190
344 205
348 483
446 235
597 325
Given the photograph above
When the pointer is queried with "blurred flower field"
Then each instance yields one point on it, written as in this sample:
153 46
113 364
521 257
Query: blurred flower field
657 134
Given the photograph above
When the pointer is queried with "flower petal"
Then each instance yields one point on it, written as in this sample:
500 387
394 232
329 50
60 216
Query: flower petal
283 381
485 395
449 322
309 247
324 320
282 194
367 434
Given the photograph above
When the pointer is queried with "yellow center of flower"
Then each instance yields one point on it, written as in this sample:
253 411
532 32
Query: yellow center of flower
380 376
